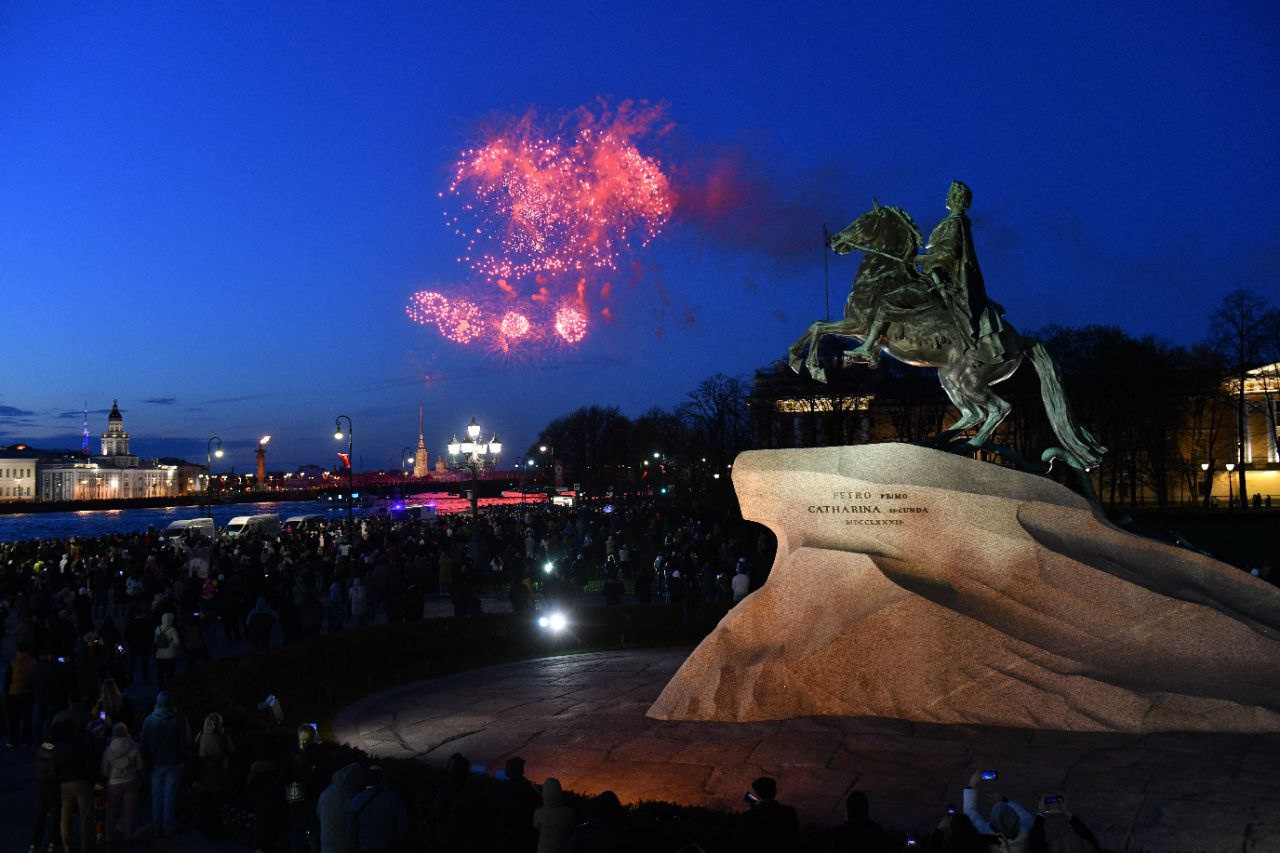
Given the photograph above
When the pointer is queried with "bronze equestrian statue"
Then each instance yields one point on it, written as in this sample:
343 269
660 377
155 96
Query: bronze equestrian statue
932 310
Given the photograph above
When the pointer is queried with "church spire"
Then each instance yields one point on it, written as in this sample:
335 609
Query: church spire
420 467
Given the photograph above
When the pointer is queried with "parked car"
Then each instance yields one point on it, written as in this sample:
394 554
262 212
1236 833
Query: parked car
263 525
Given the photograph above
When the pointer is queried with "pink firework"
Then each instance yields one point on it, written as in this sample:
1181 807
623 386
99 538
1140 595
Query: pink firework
426 306
557 197
463 322
514 326
570 324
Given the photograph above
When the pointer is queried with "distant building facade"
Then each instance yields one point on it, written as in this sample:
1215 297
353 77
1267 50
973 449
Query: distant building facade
116 473
18 467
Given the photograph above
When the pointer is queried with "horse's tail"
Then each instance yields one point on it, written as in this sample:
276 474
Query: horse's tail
1084 451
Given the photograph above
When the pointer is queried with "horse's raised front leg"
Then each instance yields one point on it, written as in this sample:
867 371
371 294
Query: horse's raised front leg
818 331
970 413
997 409
795 355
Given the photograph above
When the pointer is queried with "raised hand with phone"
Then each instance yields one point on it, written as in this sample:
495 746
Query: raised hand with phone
1007 820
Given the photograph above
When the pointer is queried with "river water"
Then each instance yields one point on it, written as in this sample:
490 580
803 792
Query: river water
59 525
99 522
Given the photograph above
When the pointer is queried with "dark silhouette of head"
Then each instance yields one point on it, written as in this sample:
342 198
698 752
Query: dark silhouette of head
765 788
857 807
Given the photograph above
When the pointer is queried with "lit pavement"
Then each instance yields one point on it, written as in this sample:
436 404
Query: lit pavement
581 718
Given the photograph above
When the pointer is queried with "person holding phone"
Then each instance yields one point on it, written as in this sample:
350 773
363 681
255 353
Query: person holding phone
1008 821
767 825
1050 827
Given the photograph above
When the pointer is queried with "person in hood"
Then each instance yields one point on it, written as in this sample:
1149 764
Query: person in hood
213 748
167 643
554 822
331 809
122 768
166 744
260 621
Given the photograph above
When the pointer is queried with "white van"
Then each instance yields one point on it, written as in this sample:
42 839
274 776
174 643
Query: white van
190 528
263 525
295 523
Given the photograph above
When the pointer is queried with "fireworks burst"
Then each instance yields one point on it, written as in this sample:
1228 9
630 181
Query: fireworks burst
543 206
514 326
474 318
560 197
571 324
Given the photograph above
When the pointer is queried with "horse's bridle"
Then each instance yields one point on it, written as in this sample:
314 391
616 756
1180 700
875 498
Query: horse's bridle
906 260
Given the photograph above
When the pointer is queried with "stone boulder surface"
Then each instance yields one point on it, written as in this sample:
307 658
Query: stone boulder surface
920 585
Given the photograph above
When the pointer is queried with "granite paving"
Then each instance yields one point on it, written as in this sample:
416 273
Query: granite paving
581 718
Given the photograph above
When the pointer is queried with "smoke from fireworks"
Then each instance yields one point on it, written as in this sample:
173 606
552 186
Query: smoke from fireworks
542 206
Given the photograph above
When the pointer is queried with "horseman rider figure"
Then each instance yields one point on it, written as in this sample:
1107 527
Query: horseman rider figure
950 264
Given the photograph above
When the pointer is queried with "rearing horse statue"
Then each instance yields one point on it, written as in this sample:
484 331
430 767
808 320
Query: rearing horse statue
922 326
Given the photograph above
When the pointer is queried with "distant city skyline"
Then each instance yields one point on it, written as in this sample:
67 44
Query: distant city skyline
218 214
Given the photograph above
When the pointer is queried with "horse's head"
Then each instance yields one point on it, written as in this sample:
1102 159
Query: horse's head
884 228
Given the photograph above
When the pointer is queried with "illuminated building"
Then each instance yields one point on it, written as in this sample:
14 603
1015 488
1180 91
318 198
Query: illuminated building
420 467
18 466
116 473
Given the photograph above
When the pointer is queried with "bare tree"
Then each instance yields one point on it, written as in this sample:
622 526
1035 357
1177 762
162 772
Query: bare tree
592 442
1236 326
716 415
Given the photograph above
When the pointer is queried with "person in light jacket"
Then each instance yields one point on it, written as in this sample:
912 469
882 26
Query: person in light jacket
122 768
167 643
555 820
331 809
1009 821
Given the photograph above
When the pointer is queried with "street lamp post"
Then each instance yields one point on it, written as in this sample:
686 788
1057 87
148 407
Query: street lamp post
210 452
550 452
1231 488
524 479
473 453
337 434
1208 482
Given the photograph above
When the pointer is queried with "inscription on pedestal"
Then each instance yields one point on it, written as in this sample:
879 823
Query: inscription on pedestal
869 508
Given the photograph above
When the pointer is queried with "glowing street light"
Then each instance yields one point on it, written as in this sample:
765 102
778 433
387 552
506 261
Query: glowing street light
210 452
474 453
338 436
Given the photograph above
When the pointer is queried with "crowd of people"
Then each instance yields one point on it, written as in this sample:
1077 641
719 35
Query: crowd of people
96 620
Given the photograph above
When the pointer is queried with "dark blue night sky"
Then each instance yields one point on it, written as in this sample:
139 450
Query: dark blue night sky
215 212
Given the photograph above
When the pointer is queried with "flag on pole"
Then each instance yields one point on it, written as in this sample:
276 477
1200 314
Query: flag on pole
346 460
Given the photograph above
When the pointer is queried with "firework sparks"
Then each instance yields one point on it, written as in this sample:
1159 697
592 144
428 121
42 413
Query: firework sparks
571 324
542 206
426 307
559 197
514 326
